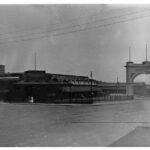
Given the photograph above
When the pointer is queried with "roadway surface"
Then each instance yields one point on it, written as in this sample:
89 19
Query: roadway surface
115 124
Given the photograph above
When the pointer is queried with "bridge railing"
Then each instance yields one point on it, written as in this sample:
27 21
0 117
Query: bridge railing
114 98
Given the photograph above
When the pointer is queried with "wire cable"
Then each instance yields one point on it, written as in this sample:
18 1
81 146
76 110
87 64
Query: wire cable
68 21
104 25
77 25
79 30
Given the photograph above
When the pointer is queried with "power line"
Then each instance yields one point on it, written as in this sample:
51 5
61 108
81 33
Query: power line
104 25
79 30
28 39
77 25
57 23
68 21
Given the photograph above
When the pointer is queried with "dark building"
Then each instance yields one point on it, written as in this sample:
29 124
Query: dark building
46 87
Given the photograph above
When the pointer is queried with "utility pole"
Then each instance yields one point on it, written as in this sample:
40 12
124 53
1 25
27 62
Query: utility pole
129 54
146 52
91 74
35 61
117 86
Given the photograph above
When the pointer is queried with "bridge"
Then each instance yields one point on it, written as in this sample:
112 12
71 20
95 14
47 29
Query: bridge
132 71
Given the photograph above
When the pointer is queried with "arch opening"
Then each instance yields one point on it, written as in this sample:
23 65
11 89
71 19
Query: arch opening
142 78
141 84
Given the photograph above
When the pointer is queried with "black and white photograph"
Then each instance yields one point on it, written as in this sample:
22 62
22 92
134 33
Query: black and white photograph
75 75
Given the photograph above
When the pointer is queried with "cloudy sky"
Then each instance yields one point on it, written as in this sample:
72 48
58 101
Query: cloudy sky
74 39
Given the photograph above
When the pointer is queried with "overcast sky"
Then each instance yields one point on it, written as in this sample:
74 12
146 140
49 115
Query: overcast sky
47 30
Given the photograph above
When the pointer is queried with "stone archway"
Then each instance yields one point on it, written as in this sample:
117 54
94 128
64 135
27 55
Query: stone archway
132 71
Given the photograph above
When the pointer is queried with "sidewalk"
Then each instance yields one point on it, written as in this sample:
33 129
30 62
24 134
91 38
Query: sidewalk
139 137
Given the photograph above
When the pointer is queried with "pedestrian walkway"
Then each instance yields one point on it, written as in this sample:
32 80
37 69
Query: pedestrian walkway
139 137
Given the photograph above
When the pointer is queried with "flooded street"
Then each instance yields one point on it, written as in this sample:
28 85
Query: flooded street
70 125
